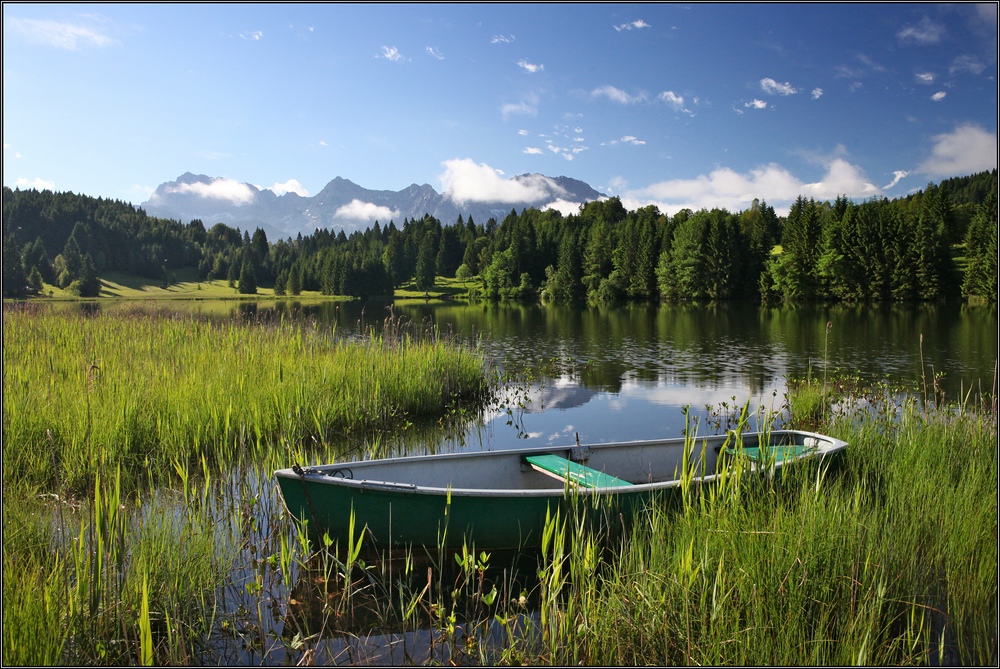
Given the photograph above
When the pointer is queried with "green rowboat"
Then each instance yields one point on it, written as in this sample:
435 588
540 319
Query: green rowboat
500 499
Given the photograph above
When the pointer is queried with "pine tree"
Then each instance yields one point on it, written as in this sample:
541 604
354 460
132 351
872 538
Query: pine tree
248 282
14 281
981 250
426 269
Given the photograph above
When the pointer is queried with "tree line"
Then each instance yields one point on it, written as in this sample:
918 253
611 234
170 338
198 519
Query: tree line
937 243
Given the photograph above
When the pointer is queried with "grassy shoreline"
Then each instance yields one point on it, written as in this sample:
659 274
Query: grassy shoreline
140 524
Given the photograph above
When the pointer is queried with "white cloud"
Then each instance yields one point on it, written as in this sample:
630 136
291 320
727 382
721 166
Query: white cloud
37 183
391 53
924 32
966 150
356 210
925 77
674 100
522 133
817 93
322 142
218 189
638 24
464 180
502 39
520 108
756 104
771 86
433 50
627 139
966 64
725 188
937 97
60 34
617 95
530 68
252 36
841 178
534 151
290 186
896 177
564 207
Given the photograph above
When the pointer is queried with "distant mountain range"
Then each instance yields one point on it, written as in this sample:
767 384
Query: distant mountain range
345 205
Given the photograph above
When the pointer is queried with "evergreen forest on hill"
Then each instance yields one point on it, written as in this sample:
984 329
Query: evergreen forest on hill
937 243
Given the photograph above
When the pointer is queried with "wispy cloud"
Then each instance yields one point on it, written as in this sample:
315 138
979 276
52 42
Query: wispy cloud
638 24
771 86
864 66
817 93
531 68
61 34
924 31
253 36
939 96
965 150
322 142
358 210
533 151
627 139
755 104
391 53
433 51
925 77
522 133
524 108
37 183
675 101
897 176
617 95
502 39
968 64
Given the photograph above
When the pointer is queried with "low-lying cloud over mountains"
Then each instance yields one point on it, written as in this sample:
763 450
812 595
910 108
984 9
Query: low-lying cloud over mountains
471 189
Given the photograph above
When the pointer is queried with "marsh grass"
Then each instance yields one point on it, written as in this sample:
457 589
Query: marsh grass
144 390
136 528
886 557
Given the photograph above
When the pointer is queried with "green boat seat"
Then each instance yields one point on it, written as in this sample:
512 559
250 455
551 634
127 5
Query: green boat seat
574 472
778 452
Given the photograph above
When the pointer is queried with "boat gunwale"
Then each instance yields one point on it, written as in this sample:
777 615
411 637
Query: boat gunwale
315 474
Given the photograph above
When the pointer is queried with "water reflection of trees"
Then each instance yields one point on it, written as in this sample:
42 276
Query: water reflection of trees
708 345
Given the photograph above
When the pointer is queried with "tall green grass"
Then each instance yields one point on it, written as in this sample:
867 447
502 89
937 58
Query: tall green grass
135 526
82 393
888 557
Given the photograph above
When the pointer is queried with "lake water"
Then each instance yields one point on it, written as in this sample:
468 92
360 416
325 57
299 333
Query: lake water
626 373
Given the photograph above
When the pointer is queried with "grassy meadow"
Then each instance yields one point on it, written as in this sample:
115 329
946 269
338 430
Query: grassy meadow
141 525
187 285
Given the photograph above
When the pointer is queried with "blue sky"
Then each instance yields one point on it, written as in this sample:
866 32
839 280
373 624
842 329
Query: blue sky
695 105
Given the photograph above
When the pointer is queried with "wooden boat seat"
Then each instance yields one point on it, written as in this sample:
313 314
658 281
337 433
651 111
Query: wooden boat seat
577 474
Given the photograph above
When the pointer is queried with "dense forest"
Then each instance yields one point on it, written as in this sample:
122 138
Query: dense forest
938 243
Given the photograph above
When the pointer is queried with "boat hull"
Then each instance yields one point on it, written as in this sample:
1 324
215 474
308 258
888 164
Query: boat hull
495 500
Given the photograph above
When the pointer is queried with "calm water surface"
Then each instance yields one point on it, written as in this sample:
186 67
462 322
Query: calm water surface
626 373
